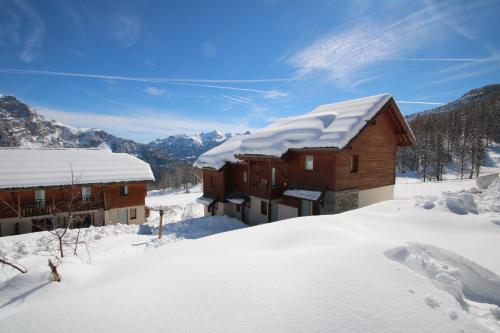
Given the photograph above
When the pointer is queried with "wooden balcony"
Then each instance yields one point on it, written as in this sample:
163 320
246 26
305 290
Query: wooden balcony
261 189
37 209
42 208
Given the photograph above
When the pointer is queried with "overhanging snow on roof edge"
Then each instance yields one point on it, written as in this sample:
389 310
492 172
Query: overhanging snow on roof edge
205 201
26 168
303 194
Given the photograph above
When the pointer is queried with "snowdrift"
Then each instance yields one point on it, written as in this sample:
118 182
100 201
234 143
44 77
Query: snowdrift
389 267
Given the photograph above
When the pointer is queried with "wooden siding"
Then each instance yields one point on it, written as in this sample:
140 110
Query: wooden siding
103 196
376 147
322 175
136 195
209 189
234 178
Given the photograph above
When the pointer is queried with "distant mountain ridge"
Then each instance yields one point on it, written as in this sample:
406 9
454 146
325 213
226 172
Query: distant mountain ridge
488 95
22 126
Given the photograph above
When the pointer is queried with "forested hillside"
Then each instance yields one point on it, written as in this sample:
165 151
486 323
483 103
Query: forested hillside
453 137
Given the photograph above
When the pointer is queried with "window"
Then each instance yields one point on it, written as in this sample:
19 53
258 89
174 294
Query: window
273 177
263 208
133 213
213 181
309 162
40 198
124 190
86 193
354 163
245 177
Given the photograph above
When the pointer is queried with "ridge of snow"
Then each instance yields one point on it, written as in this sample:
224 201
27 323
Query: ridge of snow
327 126
48 167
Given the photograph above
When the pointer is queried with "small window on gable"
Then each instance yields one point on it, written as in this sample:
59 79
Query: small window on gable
354 163
309 162
124 190
213 180
245 177
133 213
263 207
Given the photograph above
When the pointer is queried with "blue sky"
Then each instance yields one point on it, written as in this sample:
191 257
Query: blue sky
149 69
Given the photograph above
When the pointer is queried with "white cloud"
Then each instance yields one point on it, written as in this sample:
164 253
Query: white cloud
443 59
142 125
77 53
140 79
465 75
344 56
202 83
209 50
419 102
268 94
22 26
153 91
125 29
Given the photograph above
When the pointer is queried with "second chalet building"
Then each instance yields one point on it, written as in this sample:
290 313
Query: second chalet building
39 187
338 157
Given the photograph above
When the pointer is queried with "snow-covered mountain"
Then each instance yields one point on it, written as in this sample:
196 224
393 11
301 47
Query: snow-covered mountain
22 126
189 147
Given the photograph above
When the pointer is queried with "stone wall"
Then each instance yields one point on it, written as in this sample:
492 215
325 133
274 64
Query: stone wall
340 201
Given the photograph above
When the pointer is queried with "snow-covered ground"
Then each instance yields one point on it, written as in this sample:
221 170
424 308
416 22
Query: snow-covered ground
177 204
411 264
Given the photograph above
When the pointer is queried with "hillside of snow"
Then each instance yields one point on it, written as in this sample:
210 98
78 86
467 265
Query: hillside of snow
397 266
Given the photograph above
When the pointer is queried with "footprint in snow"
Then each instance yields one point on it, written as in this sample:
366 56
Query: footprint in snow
431 301
453 314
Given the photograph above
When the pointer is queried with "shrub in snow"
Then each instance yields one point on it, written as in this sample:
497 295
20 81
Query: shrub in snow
484 181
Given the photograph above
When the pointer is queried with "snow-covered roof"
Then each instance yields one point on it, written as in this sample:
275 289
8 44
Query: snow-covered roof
206 201
21 168
237 201
303 194
327 126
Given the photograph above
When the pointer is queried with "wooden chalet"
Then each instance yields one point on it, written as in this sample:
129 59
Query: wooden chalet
38 187
338 157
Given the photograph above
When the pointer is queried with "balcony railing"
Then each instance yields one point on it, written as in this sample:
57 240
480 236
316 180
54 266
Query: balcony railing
37 209
259 189
41 208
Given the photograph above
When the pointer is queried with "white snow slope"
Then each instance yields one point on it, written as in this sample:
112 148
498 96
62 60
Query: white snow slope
391 267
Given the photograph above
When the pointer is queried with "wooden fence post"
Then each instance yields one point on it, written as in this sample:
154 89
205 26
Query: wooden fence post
160 231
